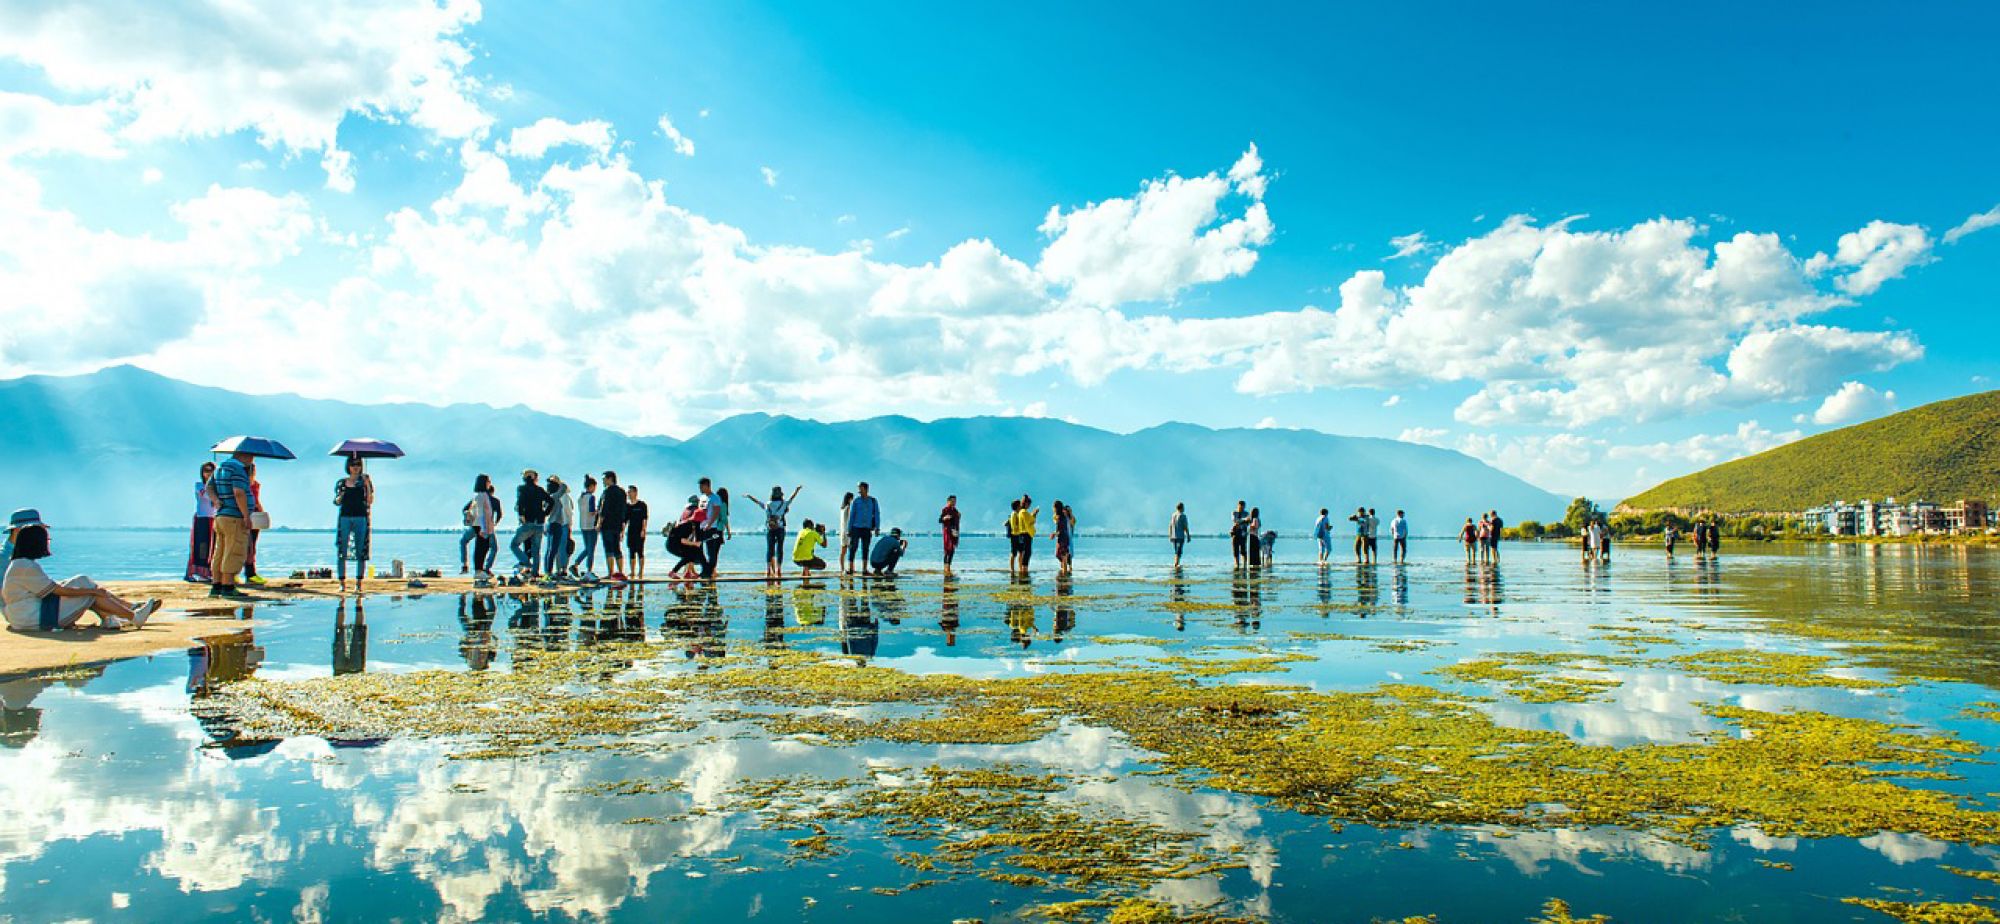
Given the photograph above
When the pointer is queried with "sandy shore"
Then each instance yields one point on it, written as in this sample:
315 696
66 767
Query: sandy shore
188 614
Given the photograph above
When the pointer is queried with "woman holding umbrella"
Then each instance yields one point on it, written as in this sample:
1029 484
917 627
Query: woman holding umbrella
354 494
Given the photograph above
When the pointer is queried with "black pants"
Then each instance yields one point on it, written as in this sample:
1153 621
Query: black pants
1027 550
857 545
1237 542
1399 547
711 551
482 549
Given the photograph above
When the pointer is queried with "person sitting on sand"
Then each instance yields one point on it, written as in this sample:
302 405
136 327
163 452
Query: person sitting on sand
805 552
33 601
887 552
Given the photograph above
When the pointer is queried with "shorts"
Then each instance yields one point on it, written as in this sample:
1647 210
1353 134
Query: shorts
230 549
635 543
816 563
950 541
1179 543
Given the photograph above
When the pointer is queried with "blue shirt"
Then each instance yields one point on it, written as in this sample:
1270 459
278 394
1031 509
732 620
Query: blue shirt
230 477
864 514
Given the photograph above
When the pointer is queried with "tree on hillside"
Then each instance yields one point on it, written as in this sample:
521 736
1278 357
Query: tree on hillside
1580 514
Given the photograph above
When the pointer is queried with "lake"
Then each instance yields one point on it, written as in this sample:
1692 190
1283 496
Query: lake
1762 737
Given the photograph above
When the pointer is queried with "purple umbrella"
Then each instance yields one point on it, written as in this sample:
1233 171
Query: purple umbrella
367 448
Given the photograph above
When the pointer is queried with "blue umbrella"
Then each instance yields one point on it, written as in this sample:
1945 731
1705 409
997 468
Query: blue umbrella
262 447
364 447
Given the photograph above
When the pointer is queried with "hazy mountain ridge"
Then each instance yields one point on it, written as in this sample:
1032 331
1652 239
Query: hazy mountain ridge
1944 451
121 447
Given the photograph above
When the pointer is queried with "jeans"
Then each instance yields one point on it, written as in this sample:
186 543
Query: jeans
588 557
858 546
351 531
558 549
527 545
465 537
774 545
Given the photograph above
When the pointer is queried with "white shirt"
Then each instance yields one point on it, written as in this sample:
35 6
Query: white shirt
1399 528
21 593
586 511
482 513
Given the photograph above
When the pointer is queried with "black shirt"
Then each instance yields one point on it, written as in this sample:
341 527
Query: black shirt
353 498
531 503
611 510
635 518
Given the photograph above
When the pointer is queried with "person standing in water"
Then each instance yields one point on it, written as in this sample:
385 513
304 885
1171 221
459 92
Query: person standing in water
948 521
718 533
562 515
1671 535
1177 531
586 530
635 532
611 512
1238 531
864 517
201 537
1024 520
1469 536
354 494
846 507
1323 534
1253 534
774 528
1493 537
1064 535
484 521
1399 538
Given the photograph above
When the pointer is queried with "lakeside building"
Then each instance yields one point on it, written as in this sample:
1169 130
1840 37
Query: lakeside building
1889 518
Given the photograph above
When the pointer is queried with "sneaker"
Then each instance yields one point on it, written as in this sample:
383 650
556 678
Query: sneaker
462 569
257 579
111 623
144 612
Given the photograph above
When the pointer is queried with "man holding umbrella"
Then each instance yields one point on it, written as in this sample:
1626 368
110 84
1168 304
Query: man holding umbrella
231 485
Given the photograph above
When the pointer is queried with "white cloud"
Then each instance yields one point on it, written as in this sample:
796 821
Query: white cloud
682 144
534 141
1878 252
1973 223
151 175
1409 245
1853 402
1268 423
32 125
339 167
287 72
1158 243
770 176
1392 400
899 233
1429 436
1575 463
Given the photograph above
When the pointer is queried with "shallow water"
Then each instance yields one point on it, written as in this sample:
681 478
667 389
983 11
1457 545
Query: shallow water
119 802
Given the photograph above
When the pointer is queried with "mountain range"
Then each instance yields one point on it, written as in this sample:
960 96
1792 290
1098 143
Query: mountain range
1945 452
121 447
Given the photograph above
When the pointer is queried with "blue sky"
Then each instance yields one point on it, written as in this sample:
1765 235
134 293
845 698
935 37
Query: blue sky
1594 245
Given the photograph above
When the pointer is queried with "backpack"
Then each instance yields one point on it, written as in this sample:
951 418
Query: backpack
774 515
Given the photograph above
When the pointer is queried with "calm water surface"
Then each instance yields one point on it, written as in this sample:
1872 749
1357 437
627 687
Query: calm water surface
117 802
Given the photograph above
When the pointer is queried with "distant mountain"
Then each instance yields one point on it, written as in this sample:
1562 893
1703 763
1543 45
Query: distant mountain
1943 452
121 447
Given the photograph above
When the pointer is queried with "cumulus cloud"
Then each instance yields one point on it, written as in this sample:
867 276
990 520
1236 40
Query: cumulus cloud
1560 326
288 72
770 176
1878 252
1853 402
534 141
1577 462
1979 221
1170 236
683 145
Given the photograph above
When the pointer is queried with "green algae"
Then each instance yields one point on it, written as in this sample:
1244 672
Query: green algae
1556 911
1769 668
1535 677
1929 912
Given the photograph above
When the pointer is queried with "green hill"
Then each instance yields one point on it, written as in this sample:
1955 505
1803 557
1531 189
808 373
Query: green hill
1942 452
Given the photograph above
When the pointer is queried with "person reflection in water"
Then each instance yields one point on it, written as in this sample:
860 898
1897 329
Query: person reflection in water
350 640
475 621
948 610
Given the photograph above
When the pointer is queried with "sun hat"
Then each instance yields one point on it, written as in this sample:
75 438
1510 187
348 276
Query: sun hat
26 516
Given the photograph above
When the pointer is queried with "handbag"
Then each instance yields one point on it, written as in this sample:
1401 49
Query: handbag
259 520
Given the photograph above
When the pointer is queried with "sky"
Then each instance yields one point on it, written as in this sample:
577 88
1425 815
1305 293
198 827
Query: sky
1595 245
